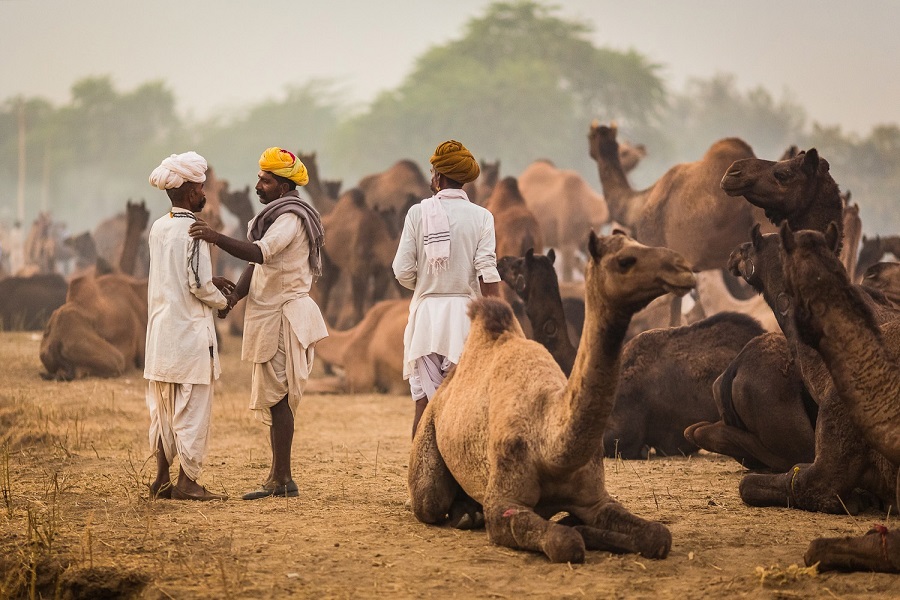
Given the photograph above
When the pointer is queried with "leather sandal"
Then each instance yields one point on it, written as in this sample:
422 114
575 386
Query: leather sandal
178 494
288 490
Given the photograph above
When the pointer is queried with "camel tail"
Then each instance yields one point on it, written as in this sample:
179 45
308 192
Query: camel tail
493 315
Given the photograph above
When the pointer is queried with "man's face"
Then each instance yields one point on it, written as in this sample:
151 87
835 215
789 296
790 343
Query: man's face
267 187
196 197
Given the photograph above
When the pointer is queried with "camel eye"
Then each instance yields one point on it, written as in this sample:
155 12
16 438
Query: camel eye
626 262
782 176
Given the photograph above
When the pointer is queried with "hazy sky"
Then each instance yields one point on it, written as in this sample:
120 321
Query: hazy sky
837 59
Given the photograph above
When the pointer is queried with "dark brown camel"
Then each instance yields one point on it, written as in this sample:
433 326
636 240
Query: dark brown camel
534 280
666 384
863 359
685 209
873 250
358 244
26 303
481 189
884 276
370 354
769 422
323 193
136 218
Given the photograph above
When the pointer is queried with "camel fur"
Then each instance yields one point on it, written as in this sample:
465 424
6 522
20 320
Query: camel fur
508 431
863 359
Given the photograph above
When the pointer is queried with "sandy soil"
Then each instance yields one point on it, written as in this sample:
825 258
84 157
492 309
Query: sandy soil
75 519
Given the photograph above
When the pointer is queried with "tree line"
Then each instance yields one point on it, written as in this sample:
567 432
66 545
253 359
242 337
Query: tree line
520 84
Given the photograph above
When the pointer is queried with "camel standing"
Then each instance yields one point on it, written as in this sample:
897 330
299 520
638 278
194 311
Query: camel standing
863 360
510 432
395 190
324 194
481 189
516 227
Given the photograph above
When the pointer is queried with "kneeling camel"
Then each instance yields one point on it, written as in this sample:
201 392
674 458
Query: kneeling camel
510 432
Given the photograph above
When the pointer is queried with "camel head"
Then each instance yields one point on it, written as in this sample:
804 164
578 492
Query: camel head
784 188
602 141
628 275
520 272
490 173
758 261
815 278
884 276
137 214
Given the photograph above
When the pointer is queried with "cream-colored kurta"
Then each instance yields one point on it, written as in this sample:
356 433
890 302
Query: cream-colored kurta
438 322
180 328
279 299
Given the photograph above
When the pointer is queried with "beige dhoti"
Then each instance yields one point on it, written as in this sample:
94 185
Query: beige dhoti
180 417
286 374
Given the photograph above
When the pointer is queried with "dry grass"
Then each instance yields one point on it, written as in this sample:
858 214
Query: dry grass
75 520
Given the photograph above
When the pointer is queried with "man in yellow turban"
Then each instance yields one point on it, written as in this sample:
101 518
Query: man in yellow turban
447 257
282 323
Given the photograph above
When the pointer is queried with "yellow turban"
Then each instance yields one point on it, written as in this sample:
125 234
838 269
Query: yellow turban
453 160
284 164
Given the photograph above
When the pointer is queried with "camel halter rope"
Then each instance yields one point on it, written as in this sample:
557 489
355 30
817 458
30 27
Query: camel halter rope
194 258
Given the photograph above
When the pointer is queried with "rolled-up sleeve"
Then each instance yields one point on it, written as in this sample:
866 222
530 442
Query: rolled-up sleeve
279 234
206 292
405 263
486 253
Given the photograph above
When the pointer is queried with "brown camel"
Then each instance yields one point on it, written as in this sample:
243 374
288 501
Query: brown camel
395 190
685 209
136 218
99 331
481 189
566 208
852 227
884 276
666 384
534 280
370 353
872 250
322 193
26 303
715 298
358 245
509 432
515 226
863 359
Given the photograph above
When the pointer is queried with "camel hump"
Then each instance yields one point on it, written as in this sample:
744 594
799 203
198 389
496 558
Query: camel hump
495 316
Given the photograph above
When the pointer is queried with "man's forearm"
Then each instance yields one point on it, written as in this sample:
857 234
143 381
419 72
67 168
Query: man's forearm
240 249
243 285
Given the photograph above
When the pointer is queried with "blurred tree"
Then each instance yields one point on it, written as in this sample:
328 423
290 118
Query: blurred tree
521 84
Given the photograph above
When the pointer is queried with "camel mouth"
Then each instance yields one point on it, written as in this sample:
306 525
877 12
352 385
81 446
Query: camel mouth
732 186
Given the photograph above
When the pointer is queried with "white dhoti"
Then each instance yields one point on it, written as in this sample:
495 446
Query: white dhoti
286 374
428 374
180 417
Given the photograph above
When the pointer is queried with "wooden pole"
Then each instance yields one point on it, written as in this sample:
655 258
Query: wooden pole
20 194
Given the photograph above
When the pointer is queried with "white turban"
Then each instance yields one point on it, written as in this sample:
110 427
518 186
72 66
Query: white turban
177 169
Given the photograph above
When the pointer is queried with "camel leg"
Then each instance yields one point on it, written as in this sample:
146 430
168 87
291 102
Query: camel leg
878 550
650 539
359 284
826 485
432 487
740 445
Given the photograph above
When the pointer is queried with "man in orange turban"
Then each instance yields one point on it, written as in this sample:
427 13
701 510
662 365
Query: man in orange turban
447 257
282 323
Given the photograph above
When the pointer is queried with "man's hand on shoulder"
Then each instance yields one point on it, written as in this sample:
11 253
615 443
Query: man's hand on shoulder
201 230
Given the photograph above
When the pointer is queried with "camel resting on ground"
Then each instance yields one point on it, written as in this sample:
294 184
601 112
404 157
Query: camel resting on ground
863 360
508 431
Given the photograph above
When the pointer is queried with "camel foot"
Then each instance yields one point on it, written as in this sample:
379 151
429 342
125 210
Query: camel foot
878 550
563 544
653 541
607 541
466 514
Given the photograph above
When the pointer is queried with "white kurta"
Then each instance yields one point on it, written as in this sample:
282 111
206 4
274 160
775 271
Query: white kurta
279 309
438 322
180 327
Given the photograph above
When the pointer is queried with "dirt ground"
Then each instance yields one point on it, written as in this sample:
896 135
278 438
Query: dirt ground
75 520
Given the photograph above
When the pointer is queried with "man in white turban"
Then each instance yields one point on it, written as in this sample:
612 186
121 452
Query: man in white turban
181 359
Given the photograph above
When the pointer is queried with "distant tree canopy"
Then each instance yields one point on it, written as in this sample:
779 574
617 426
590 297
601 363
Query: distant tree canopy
520 84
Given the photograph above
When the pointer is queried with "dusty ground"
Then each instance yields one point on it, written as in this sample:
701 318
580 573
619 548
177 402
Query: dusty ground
75 518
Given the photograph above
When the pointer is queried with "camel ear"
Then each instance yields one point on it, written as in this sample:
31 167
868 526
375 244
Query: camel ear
529 254
810 162
595 245
551 255
832 236
756 236
787 237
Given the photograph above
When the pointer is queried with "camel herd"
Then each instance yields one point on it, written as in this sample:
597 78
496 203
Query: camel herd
784 356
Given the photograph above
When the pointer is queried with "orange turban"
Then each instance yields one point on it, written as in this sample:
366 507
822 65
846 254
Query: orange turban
453 160
284 164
